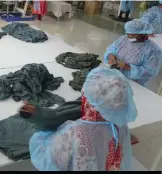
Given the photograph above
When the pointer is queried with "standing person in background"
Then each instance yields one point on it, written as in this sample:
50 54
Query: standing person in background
154 16
127 8
137 57
40 8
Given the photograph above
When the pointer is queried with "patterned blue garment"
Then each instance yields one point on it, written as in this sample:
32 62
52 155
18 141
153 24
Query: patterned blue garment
78 146
154 16
83 145
126 6
145 59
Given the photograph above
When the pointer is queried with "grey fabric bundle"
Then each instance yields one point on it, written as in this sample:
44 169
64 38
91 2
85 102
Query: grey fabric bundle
78 60
2 34
30 84
25 33
79 78
15 132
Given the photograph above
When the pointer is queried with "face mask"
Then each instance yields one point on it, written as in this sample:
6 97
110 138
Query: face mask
132 39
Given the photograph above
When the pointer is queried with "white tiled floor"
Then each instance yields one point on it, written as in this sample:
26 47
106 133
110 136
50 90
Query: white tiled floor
92 39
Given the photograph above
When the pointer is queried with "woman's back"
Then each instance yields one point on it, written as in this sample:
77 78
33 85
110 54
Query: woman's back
80 146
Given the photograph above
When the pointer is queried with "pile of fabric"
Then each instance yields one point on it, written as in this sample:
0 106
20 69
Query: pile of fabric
82 61
15 132
79 78
25 33
78 60
31 83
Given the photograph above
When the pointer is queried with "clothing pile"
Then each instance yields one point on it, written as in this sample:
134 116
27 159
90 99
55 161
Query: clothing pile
79 79
78 60
82 61
25 33
15 132
31 83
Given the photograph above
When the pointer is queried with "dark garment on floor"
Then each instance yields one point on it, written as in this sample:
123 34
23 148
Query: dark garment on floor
78 60
30 84
79 79
15 132
2 34
25 33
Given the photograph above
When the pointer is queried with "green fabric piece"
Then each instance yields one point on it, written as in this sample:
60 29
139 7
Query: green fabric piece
79 79
15 132
78 60
31 83
25 33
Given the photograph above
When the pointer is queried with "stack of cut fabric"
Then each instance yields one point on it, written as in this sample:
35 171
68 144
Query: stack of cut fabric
15 132
82 61
78 60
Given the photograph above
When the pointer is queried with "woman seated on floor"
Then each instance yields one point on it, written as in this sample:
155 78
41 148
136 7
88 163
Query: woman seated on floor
137 57
100 139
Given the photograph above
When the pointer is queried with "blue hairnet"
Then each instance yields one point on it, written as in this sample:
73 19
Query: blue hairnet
110 94
138 26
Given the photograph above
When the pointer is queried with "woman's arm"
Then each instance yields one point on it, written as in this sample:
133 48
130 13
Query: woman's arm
112 50
51 119
151 67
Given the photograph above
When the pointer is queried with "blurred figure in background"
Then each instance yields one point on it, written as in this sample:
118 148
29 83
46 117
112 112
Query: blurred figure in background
40 8
126 8
154 16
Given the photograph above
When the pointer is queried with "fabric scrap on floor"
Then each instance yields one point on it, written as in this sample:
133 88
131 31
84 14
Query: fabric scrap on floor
79 78
2 34
31 83
15 132
78 60
24 32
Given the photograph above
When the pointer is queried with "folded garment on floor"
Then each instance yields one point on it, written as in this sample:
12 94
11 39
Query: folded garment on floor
79 79
78 60
30 84
15 132
25 33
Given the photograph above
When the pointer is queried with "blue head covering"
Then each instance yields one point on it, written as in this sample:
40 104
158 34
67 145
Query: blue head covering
108 91
138 26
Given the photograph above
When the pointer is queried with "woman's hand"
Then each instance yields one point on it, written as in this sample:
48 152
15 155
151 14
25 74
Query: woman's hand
112 59
27 110
123 65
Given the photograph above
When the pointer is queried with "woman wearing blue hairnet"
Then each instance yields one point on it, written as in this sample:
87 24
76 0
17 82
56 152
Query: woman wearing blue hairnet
137 57
154 16
127 8
100 139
